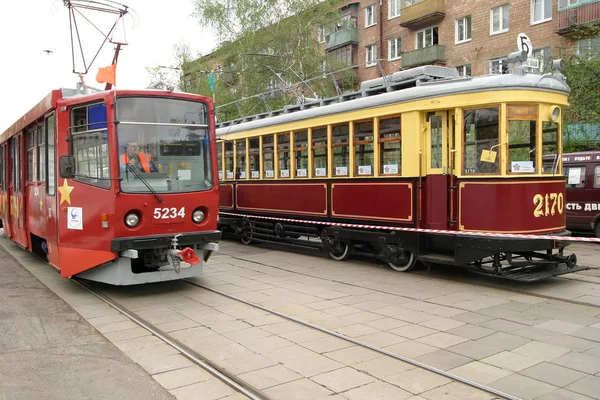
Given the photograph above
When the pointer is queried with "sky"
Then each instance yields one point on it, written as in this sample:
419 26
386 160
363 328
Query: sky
28 27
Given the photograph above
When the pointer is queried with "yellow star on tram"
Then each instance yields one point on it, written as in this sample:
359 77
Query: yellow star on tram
65 192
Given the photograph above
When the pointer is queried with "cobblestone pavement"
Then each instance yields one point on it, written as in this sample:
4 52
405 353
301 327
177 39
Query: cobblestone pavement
532 346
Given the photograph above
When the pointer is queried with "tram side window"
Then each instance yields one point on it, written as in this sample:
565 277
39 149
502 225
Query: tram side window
340 150
89 138
549 147
3 168
31 155
597 176
51 172
220 160
229 160
268 153
16 163
521 139
41 149
575 177
283 150
254 152
301 153
319 150
481 127
390 146
241 158
363 148
436 141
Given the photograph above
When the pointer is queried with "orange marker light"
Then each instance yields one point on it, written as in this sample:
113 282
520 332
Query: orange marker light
104 218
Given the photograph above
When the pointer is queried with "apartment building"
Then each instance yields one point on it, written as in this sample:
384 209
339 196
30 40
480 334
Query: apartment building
473 36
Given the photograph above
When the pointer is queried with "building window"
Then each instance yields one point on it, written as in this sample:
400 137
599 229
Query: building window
427 37
464 70
463 29
541 11
371 54
393 9
543 57
563 4
394 46
499 66
588 47
499 19
321 34
370 15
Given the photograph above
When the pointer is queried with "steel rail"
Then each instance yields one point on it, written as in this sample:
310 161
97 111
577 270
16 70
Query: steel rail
362 344
229 379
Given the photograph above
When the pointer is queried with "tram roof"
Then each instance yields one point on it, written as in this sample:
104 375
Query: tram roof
426 82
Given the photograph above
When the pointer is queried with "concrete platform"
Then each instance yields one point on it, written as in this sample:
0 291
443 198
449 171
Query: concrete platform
49 351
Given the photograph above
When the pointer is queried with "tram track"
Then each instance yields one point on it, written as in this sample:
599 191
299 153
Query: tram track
228 378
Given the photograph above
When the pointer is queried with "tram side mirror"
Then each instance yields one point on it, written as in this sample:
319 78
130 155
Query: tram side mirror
67 166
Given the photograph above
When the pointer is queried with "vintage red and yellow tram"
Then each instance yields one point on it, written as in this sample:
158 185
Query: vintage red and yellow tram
422 165
113 186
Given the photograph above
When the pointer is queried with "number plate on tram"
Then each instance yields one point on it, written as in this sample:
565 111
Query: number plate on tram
168 215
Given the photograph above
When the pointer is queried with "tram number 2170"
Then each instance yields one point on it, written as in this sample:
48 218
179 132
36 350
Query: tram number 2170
169 213
548 204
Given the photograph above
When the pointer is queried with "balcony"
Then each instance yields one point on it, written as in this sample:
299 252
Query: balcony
572 18
425 12
427 55
340 38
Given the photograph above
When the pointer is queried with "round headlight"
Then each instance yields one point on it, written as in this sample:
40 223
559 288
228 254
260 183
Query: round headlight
198 216
555 113
132 220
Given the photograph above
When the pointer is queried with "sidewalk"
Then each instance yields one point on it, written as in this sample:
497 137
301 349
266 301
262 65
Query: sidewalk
48 351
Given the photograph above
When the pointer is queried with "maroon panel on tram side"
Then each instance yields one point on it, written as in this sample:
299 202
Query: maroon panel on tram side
436 202
36 217
285 198
226 196
534 206
383 201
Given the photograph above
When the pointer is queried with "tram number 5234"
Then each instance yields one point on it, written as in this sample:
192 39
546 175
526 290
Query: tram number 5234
168 213
548 204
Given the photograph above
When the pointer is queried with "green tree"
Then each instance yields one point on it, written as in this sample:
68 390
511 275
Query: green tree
267 47
164 76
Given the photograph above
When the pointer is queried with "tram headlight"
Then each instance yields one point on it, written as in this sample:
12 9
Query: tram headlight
555 113
132 220
198 216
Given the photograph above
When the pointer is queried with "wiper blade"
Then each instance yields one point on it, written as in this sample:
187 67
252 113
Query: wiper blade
144 181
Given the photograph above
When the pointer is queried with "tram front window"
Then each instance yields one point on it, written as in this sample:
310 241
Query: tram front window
163 145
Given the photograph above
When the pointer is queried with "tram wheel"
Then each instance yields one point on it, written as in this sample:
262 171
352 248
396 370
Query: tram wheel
408 265
340 252
246 237
597 230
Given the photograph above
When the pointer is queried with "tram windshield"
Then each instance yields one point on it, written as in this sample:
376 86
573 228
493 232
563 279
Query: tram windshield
164 145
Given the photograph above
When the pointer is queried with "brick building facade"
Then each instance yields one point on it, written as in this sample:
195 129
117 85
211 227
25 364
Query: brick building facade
473 36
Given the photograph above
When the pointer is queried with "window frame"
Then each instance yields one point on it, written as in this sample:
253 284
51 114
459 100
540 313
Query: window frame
398 48
462 69
566 169
523 118
371 12
502 29
396 11
596 177
470 25
434 38
532 12
373 53
356 142
51 150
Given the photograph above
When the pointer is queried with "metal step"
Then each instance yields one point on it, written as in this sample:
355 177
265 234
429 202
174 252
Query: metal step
442 259
532 274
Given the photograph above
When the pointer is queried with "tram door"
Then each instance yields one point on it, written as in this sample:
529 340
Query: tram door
15 225
437 180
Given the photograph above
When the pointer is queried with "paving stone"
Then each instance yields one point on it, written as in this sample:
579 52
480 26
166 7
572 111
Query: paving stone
343 379
553 374
559 326
457 391
547 352
504 340
230 326
246 363
472 318
301 389
182 377
377 391
562 394
442 340
381 339
417 380
588 333
580 362
382 366
410 349
211 389
588 386
474 349
413 331
479 372
511 361
126 334
270 376
502 325
522 387
327 344
387 323
416 317
352 355
472 332
442 324
356 330
156 364
443 359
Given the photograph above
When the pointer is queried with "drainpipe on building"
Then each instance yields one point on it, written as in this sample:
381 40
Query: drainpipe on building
381 33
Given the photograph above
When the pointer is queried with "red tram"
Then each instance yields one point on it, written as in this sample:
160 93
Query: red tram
113 186
420 166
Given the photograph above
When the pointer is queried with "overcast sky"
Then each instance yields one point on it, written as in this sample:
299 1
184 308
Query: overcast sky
28 27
